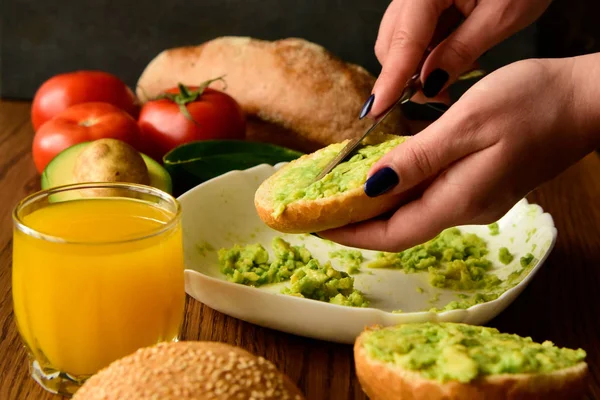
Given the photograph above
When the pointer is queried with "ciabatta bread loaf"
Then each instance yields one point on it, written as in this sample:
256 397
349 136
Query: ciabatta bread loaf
294 92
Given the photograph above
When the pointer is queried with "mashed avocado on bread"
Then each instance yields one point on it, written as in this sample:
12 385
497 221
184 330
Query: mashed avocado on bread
251 265
459 352
454 261
297 181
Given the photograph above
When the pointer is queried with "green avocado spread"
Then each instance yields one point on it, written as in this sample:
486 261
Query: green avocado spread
494 229
351 259
251 265
296 180
505 256
453 260
324 283
460 352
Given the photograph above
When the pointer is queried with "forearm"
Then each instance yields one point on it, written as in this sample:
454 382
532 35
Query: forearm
583 76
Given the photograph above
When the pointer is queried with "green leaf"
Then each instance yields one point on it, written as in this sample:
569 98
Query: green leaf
196 162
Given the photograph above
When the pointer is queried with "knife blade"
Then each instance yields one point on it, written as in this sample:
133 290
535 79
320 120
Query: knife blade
411 87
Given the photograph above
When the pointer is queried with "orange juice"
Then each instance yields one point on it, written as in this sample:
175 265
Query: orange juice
110 280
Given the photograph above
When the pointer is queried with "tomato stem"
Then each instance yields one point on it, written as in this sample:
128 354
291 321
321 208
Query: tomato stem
186 95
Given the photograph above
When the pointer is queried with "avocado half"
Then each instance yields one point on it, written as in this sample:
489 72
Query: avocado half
59 171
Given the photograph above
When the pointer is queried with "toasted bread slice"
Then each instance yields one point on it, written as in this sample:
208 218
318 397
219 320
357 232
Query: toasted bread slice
329 210
386 381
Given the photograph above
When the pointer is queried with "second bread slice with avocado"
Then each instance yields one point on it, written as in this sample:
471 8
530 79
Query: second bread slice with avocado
452 361
292 201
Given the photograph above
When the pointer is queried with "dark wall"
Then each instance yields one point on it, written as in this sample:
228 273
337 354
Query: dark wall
40 38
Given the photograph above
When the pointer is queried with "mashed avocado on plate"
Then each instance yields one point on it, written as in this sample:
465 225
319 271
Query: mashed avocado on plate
324 283
453 260
460 352
251 265
351 259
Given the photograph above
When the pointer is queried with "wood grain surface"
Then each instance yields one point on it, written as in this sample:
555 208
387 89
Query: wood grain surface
561 304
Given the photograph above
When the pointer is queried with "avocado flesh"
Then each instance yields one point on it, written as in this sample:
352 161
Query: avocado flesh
59 171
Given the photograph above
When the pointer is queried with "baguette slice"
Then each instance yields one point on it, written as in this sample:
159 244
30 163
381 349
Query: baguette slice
382 381
295 92
307 216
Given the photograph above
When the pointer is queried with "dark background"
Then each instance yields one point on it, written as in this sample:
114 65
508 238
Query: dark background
40 38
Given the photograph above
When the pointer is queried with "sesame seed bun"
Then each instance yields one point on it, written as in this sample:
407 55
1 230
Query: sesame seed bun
189 370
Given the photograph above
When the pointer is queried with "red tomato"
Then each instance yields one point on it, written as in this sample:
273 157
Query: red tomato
62 91
82 123
212 115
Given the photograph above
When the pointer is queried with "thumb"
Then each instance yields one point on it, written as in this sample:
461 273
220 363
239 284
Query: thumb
421 157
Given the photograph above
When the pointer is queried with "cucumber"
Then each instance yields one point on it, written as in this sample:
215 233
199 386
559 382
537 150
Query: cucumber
193 163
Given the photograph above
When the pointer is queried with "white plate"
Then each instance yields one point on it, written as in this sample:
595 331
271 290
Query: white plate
221 213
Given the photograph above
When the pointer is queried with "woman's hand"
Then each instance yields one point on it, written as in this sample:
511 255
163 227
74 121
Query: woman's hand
513 130
409 26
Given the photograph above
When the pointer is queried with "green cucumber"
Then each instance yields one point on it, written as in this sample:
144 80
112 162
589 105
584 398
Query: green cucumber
193 163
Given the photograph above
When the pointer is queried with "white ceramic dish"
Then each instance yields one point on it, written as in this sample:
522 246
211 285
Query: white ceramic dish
220 213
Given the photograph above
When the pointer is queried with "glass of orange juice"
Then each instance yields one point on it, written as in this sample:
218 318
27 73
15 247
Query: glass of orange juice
98 272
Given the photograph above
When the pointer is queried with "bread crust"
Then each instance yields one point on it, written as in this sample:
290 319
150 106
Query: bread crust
199 370
308 216
381 381
293 84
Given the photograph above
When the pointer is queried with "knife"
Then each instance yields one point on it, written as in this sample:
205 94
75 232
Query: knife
411 87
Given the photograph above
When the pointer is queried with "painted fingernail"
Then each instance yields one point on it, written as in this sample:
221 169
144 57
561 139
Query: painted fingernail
435 82
381 181
367 106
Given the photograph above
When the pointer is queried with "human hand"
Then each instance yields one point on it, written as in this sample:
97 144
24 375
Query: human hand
408 28
513 130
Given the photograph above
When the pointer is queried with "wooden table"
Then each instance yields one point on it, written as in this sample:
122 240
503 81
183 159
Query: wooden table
561 304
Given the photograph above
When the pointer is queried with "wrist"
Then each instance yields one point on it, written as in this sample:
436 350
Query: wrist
580 75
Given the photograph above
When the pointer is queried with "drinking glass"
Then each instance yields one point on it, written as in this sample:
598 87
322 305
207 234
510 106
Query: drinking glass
98 272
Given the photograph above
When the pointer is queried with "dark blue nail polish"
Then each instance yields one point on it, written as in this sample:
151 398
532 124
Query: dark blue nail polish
367 106
435 82
381 181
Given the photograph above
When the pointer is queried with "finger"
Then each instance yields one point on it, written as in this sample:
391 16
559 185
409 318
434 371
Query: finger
386 29
459 197
414 26
485 26
427 153
442 97
447 22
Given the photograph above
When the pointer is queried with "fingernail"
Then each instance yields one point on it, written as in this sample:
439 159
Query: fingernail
380 182
435 82
367 106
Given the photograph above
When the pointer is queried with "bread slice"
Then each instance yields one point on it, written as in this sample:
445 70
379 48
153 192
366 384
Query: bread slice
315 215
383 381
307 97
